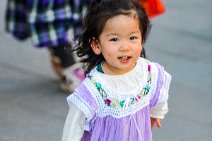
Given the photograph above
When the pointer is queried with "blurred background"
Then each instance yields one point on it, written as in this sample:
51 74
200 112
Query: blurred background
32 107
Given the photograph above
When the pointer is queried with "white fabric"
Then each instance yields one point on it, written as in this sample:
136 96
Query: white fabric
83 106
159 110
125 82
122 87
73 128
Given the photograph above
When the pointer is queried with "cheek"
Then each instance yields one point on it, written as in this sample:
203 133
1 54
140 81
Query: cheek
109 55
108 51
139 49
137 52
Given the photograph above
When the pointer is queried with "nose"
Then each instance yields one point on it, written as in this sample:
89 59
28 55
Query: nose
125 46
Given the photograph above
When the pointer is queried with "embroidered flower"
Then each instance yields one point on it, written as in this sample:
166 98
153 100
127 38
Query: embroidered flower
115 103
108 101
122 103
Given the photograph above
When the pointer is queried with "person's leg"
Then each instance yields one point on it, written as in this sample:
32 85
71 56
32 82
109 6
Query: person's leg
66 57
61 58
65 66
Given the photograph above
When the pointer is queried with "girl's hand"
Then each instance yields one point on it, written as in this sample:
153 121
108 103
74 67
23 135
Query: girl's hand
155 121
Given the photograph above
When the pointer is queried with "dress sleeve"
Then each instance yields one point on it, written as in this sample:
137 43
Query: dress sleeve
73 128
164 91
159 110
159 102
82 99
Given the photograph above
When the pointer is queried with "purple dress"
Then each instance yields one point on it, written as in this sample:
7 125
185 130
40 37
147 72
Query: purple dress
114 117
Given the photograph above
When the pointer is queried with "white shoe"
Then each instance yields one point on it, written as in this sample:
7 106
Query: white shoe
72 76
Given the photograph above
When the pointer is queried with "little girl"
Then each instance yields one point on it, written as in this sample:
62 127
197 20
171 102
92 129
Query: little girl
123 95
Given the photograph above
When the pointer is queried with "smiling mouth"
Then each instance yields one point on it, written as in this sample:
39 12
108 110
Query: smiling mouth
124 58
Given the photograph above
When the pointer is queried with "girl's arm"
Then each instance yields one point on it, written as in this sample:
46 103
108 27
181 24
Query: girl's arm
157 113
73 128
160 109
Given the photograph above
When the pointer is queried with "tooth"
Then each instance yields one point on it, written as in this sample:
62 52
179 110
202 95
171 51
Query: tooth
124 57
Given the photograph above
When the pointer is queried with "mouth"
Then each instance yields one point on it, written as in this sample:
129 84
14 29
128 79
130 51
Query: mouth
124 58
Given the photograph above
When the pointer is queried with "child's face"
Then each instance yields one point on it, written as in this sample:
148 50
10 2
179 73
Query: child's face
120 44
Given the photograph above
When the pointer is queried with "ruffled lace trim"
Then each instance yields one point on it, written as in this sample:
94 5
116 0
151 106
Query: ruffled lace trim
84 107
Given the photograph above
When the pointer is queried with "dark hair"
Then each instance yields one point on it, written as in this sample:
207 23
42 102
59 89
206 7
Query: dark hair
98 12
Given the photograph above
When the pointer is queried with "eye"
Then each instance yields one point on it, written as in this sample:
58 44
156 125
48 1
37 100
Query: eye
114 39
133 37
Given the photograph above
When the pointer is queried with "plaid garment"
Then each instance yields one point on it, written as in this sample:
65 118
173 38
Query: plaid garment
16 19
53 22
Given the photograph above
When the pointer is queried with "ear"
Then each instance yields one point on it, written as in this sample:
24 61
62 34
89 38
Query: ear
95 46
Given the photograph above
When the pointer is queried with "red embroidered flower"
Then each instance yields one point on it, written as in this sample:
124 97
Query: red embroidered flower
107 101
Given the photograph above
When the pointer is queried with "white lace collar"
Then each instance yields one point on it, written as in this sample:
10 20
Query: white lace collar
125 84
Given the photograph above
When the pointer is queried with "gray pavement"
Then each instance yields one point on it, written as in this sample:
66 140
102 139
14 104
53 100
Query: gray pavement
32 108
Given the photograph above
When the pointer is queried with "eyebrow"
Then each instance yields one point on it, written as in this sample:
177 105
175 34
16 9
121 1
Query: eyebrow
135 32
111 34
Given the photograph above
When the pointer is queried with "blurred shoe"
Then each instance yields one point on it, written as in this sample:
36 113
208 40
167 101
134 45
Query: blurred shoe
56 63
71 77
